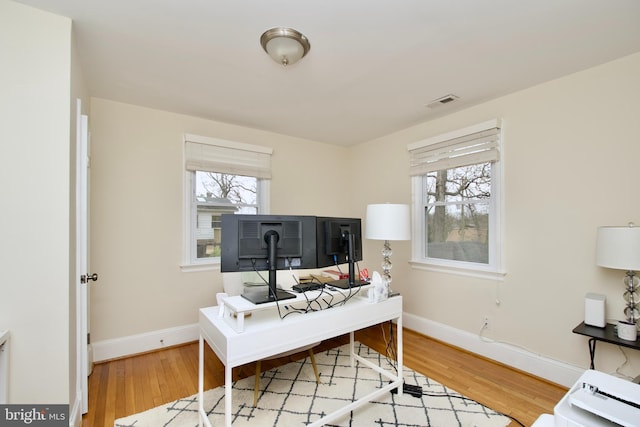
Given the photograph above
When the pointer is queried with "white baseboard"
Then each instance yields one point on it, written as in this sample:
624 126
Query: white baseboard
134 344
511 355
75 413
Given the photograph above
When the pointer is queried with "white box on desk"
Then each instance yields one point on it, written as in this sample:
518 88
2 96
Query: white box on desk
594 310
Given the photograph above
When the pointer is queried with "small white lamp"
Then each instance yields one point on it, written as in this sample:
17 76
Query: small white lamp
619 248
387 222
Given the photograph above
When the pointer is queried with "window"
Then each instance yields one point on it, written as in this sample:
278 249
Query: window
457 202
216 194
221 177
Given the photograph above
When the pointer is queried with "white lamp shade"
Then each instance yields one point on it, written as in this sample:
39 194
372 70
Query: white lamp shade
618 247
388 221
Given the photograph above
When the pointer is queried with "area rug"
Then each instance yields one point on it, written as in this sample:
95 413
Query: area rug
290 396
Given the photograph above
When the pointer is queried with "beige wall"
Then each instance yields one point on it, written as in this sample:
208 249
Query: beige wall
569 167
34 171
570 158
571 153
137 206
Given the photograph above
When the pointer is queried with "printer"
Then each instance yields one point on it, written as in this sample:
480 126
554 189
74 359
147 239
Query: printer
599 399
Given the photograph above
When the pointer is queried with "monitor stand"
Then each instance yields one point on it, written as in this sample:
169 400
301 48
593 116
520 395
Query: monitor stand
351 282
262 297
272 293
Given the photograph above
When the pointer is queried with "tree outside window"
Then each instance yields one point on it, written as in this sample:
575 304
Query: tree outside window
457 208
216 194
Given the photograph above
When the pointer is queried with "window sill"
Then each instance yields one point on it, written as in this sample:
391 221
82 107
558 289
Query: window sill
190 268
479 273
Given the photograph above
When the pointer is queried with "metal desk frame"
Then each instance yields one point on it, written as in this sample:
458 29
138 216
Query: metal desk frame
606 334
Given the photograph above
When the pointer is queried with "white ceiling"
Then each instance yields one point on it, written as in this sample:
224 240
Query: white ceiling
373 64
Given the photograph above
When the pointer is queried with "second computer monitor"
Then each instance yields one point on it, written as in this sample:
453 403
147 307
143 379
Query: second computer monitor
333 236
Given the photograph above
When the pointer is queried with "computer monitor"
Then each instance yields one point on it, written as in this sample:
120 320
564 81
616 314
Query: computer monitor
267 243
339 242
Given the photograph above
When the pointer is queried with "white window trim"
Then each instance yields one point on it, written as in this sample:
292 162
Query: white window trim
189 261
188 230
495 270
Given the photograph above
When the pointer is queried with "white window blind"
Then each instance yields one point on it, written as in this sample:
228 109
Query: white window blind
472 145
236 158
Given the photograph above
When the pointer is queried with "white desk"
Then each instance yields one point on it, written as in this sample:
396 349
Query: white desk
264 334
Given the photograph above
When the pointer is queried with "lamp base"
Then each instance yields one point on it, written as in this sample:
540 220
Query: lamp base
386 266
627 331
632 289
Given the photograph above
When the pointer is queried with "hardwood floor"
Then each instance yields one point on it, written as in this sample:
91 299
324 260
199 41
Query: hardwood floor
123 387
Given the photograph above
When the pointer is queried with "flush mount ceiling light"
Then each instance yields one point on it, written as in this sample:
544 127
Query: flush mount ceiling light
285 45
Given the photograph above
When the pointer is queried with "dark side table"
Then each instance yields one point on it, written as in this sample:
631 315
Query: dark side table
606 334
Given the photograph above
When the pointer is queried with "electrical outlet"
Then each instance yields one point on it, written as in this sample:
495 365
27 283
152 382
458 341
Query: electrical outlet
485 322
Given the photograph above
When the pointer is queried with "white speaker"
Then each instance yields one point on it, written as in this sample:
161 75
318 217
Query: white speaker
594 310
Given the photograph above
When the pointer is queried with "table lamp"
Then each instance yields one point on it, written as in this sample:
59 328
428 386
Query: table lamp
619 248
387 222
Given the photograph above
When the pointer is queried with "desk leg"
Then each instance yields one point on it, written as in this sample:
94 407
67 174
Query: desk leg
202 415
352 348
228 382
399 354
200 381
592 351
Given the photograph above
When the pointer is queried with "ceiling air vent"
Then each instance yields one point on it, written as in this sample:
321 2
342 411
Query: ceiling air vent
447 99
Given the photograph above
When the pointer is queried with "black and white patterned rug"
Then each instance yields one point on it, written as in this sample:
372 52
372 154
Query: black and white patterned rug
290 396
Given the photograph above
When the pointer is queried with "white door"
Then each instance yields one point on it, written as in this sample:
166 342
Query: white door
84 278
